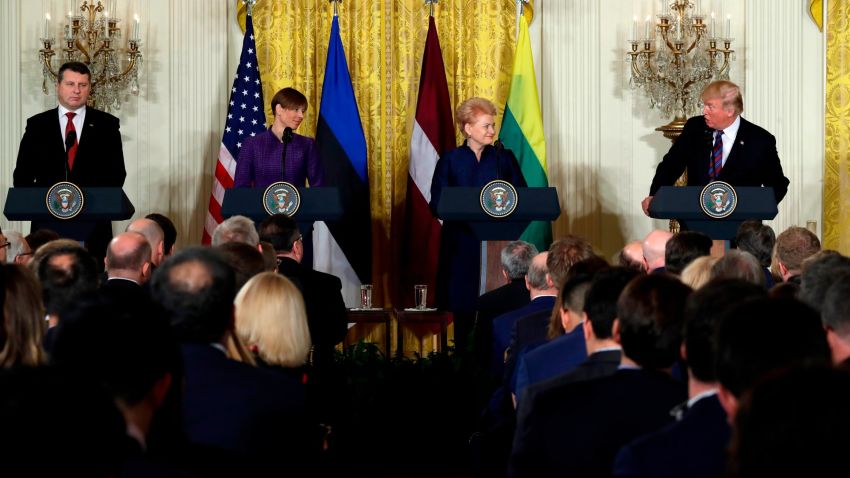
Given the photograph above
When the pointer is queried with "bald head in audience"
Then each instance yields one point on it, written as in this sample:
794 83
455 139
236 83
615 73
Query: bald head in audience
153 233
653 247
631 256
128 257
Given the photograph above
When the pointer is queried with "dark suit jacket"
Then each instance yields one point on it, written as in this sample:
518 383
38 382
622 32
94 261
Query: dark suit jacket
753 160
490 305
99 163
326 312
253 414
695 446
124 292
558 357
577 429
503 329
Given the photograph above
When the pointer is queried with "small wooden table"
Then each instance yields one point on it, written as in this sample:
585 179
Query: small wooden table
422 317
374 316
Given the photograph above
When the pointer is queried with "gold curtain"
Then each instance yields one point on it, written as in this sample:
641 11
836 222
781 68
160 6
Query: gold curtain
384 42
836 191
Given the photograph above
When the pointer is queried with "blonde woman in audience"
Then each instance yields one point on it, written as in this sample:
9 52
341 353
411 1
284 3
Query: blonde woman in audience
23 318
272 322
698 272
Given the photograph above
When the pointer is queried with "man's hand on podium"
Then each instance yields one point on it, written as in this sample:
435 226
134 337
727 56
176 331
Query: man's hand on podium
645 204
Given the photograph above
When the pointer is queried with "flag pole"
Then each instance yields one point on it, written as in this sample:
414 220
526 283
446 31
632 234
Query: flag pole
335 2
431 4
249 4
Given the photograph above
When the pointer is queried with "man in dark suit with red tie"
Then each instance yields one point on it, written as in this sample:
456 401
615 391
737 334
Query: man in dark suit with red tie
720 145
94 157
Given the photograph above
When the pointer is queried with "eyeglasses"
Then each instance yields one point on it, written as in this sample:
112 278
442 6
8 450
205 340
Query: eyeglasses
5 244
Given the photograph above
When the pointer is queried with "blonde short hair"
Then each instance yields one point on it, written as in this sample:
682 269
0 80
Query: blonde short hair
467 111
698 272
727 91
270 315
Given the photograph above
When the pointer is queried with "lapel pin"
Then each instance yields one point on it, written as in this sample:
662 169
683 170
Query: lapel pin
741 142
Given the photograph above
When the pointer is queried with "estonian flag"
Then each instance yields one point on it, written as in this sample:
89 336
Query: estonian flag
343 248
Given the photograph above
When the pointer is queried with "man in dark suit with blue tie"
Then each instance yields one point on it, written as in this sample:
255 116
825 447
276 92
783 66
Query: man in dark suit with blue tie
720 145
93 157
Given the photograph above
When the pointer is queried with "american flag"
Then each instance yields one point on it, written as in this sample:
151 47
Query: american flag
245 118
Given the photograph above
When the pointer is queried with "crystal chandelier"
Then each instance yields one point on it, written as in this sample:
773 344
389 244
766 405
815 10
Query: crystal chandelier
677 58
92 37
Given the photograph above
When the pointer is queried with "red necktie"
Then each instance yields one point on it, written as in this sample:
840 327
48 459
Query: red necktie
68 128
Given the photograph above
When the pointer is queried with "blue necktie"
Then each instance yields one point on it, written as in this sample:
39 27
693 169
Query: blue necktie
716 156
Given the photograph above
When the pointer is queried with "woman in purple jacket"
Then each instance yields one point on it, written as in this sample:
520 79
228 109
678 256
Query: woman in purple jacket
262 159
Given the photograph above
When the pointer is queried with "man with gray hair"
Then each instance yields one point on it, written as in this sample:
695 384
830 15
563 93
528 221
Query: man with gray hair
236 229
18 251
154 235
737 264
516 257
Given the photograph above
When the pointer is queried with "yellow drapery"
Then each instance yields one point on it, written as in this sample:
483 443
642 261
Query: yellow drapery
836 181
384 42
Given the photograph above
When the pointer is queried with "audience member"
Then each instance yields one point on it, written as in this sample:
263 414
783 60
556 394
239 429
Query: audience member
835 314
66 272
631 256
654 247
246 261
131 351
254 414
564 353
683 248
792 247
516 258
326 312
563 254
236 229
272 321
58 424
542 294
760 336
758 239
23 318
819 272
737 264
589 266
577 429
695 445
18 251
168 230
269 256
40 237
155 236
698 272
794 423
128 267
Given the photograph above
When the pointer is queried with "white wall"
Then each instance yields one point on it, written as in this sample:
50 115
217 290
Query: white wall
601 144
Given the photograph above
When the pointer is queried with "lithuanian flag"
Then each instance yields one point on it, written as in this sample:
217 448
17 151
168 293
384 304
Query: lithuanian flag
522 130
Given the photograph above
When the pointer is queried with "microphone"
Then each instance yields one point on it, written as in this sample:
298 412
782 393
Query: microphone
499 148
70 140
286 139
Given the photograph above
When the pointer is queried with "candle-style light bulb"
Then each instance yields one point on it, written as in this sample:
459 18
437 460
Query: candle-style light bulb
728 26
47 25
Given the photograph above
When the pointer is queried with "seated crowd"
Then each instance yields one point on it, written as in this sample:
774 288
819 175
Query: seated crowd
209 361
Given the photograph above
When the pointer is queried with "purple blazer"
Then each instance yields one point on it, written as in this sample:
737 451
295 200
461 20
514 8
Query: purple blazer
259 162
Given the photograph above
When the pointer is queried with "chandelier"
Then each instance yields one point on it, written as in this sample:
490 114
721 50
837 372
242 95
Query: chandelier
676 58
92 37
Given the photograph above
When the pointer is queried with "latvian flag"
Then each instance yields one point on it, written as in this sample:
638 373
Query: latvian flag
433 135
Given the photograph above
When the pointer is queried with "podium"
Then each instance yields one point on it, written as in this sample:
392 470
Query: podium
463 204
317 204
683 204
101 204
